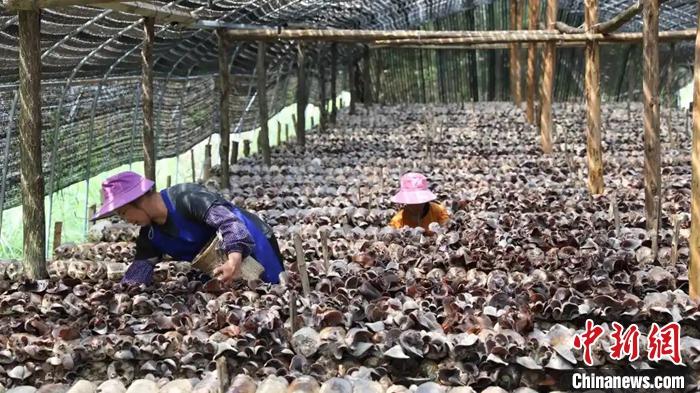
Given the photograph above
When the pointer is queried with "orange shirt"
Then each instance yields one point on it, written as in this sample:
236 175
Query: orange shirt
436 213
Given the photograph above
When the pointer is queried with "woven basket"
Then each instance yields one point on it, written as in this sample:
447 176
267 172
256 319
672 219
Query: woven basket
212 257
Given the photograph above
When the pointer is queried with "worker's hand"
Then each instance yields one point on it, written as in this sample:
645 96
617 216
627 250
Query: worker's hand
230 269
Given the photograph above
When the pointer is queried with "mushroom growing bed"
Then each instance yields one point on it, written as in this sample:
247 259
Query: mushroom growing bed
490 302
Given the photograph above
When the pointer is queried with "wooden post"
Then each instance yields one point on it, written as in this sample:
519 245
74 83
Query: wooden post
293 310
194 173
616 214
322 92
379 97
57 234
669 96
533 12
234 152
91 213
206 171
301 265
652 148
367 82
334 75
286 132
149 147
264 135
550 56
279 133
351 86
515 55
224 108
313 122
246 148
592 82
630 91
31 176
694 241
168 181
302 97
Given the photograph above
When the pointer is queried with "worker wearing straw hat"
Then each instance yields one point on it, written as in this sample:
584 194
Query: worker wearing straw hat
181 221
419 209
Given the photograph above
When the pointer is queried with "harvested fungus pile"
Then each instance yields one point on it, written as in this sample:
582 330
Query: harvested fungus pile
490 302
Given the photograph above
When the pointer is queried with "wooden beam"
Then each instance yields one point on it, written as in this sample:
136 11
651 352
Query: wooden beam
366 78
612 24
334 76
264 136
694 241
161 14
550 54
149 147
486 38
35 5
652 148
302 96
515 55
31 175
224 108
592 86
533 12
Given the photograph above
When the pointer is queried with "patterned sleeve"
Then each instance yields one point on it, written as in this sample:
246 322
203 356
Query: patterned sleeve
236 237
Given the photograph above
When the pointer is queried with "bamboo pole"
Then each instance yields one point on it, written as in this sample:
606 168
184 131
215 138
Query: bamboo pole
148 10
264 135
500 39
366 79
533 11
31 176
550 55
352 87
515 55
302 97
224 108
334 76
194 173
57 235
322 93
694 241
652 149
149 148
594 144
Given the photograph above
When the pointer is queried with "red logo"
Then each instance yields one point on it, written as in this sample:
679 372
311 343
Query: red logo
587 339
665 341
626 344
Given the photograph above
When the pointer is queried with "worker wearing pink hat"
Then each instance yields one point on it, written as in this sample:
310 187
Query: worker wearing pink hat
419 209
181 220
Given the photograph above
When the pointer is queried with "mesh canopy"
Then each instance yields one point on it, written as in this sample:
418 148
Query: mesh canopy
91 65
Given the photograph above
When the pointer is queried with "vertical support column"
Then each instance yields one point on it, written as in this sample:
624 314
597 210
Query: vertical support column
366 78
694 241
302 97
592 82
515 55
149 147
322 90
334 76
652 148
352 87
31 176
224 108
550 55
533 12
379 97
264 135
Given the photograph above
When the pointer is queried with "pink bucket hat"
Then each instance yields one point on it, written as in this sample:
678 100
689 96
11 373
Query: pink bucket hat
121 189
414 190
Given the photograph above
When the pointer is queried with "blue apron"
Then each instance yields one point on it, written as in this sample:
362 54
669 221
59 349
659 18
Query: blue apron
193 236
